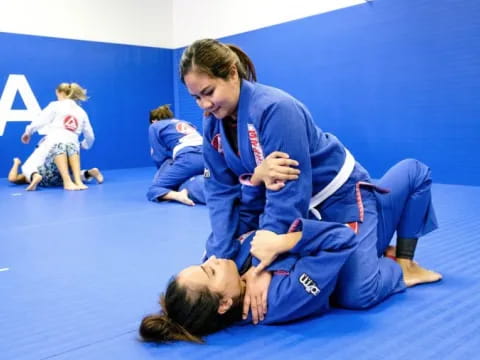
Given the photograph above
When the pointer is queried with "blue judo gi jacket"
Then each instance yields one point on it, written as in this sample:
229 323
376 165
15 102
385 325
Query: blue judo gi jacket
305 277
271 120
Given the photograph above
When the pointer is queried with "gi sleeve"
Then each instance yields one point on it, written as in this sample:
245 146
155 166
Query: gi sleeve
223 196
88 135
159 155
305 288
284 128
251 207
44 118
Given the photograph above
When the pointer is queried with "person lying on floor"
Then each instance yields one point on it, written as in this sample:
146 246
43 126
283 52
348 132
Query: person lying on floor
302 269
53 172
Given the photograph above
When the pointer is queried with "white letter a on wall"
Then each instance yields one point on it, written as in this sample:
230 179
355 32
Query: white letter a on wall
17 83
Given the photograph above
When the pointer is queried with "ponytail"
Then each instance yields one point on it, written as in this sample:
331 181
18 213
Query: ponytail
215 59
160 328
73 91
246 69
187 315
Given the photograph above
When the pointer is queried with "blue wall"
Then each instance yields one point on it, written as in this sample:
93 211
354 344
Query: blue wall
184 102
392 78
124 82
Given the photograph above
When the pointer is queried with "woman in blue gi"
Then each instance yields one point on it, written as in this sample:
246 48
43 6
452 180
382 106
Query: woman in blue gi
176 149
406 209
246 120
303 265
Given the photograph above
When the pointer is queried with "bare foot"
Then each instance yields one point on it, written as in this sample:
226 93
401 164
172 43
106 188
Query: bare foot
182 197
414 274
81 186
95 173
36 178
70 186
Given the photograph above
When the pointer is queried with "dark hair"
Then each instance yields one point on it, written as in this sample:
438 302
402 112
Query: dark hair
187 315
161 113
215 59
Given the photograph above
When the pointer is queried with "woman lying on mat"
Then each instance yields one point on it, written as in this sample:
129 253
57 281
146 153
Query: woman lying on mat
303 266
176 149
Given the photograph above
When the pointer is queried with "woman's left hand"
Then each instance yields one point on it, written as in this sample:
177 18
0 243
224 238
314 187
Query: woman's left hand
275 170
256 294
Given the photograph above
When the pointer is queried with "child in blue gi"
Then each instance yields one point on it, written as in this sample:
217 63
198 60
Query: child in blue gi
176 149
303 265
245 121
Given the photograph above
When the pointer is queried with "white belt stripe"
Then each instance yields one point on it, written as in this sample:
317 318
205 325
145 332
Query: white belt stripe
337 182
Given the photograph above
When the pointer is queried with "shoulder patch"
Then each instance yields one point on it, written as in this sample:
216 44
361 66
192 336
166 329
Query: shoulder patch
184 128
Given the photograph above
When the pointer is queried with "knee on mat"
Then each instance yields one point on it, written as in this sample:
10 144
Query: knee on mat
356 299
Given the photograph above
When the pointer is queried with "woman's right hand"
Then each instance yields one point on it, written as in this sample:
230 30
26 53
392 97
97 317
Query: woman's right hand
256 294
274 170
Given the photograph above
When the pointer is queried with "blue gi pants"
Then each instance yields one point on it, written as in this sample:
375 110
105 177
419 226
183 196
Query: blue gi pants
367 277
173 174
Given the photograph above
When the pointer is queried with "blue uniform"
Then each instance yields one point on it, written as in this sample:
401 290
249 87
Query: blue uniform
176 149
271 120
303 279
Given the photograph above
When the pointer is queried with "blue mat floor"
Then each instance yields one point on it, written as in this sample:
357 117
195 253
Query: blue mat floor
78 270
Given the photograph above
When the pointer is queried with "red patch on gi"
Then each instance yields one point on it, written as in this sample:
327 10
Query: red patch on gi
70 122
353 226
184 128
217 143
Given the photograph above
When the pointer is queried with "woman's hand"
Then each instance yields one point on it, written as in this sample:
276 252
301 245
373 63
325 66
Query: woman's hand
275 170
266 246
256 294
